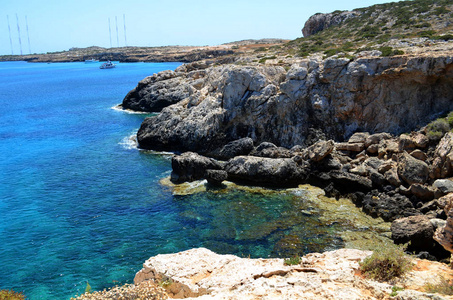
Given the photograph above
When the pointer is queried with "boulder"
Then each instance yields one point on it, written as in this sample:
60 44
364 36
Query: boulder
215 177
265 171
405 143
418 230
358 138
348 183
444 185
356 147
443 157
422 192
412 170
319 150
444 234
191 166
418 154
388 207
235 148
376 138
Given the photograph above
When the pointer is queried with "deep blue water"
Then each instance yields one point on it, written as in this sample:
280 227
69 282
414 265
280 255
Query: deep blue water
78 204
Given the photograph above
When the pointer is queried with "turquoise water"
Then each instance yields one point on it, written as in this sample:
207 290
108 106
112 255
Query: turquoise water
78 204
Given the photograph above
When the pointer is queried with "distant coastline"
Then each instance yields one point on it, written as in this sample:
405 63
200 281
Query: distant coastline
146 54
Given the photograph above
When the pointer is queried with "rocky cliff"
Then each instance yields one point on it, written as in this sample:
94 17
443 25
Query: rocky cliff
313 99
320 22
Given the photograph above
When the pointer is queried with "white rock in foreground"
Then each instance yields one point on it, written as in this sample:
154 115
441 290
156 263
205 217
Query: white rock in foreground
332 275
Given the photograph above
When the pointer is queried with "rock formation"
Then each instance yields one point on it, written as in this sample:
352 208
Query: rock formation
331 99
319 22
203 274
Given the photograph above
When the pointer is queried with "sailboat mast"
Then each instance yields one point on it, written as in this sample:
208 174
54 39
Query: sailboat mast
18 31
110 34
28 35
117 39
124 22
10 39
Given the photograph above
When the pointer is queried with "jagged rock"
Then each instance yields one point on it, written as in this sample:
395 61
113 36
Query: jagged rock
417 230
373 149
388 207
392 177
215 177
444 235
320 150
235 148
155 92
190 166
386 166
405 143
420 140
348 183
443 157
387 148
422 192
376 138
265 171
357 147
373 162
358 137
412 170
444 185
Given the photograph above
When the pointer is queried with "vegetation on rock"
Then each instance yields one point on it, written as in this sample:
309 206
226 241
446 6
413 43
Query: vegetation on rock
386 263
375 26
145 290
11 295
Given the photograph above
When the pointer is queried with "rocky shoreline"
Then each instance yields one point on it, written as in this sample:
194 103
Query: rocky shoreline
333 123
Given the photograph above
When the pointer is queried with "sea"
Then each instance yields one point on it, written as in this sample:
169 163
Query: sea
81 206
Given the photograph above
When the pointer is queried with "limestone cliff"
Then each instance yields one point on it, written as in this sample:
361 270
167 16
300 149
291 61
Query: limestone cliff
313 99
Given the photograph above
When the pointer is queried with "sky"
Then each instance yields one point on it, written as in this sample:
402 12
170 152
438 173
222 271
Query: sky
57 25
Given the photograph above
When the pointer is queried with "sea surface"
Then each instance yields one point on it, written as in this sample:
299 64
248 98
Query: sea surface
79 203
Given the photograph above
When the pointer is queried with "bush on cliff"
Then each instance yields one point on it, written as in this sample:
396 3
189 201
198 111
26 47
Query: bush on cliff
437 128
386 263
11 295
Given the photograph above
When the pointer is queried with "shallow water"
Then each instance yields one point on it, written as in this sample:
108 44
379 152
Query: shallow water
79 203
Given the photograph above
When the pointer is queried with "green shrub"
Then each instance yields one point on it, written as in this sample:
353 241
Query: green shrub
445 37
443 287
440 125
263 60
386 263
11 295
295 260
388 51
395 290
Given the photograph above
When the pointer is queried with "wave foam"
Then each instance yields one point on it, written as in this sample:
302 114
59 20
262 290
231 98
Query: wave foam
129 142
128 111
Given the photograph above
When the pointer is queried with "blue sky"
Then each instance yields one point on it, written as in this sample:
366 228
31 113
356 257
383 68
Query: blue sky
56 25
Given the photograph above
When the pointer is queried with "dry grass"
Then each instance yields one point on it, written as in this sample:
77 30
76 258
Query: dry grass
145 290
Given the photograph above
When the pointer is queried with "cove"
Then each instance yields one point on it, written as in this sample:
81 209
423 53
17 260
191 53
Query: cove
78 203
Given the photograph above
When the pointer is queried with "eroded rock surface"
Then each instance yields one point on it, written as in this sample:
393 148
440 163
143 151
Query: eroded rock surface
332 275
334 97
